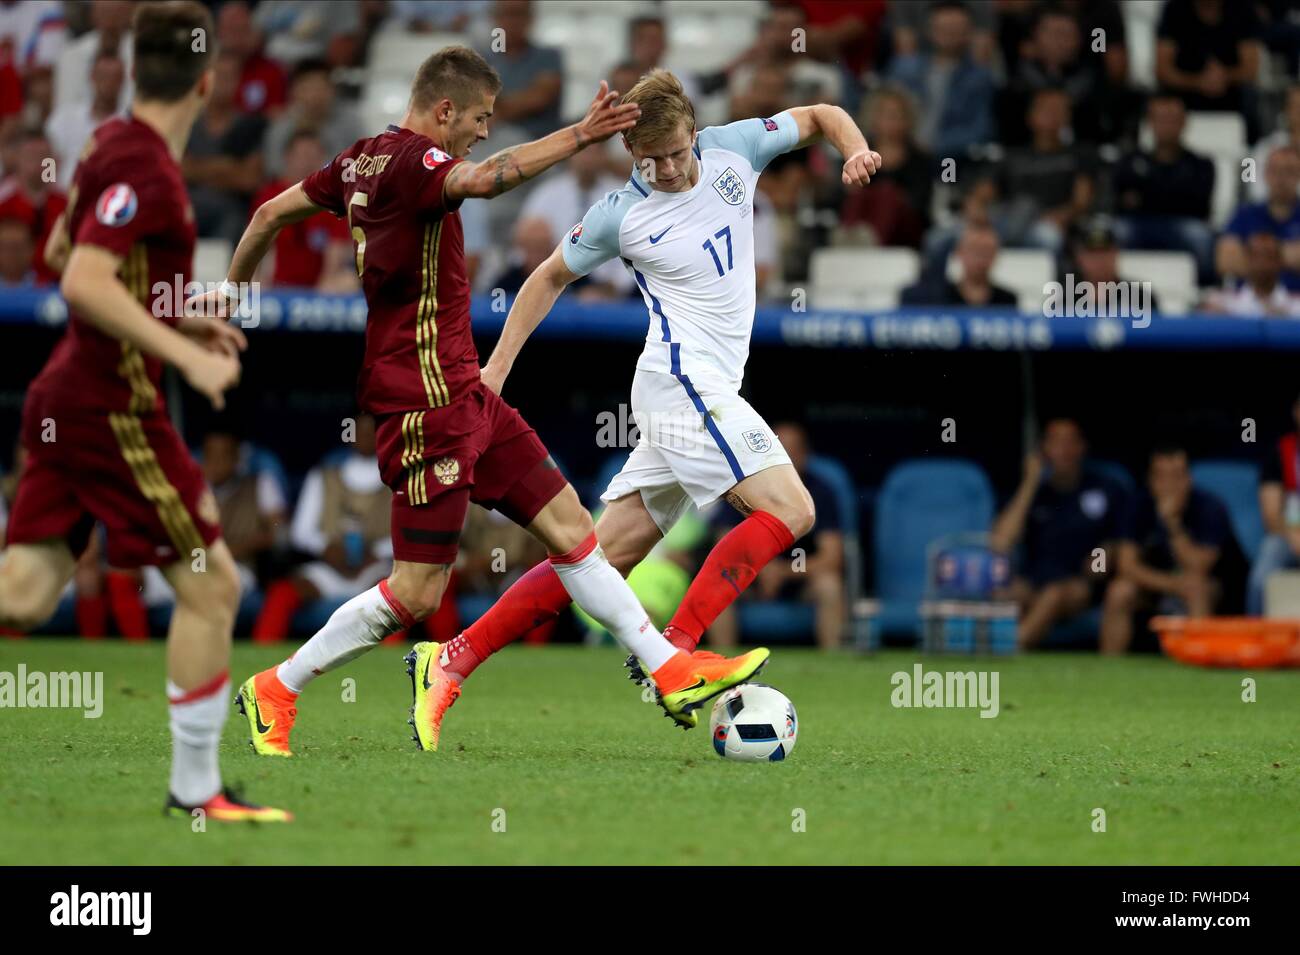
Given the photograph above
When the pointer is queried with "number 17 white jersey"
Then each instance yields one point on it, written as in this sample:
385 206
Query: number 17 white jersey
691 253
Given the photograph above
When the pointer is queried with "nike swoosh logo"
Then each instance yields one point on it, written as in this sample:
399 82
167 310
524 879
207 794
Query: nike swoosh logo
655 238
257 718
427 684
698 685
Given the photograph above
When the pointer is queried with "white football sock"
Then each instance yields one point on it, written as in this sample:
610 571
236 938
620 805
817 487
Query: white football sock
599 589
196 720
357 626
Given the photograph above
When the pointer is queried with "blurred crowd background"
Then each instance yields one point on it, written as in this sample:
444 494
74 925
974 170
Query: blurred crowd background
1023 142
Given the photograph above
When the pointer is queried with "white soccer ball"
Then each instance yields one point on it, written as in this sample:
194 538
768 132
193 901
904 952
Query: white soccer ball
753 722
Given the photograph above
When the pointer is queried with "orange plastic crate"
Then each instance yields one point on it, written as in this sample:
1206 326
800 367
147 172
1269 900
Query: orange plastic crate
1244 642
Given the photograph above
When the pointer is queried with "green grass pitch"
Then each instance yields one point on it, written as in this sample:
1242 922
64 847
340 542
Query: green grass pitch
587 773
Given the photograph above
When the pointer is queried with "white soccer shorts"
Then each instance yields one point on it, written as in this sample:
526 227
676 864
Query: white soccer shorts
695 444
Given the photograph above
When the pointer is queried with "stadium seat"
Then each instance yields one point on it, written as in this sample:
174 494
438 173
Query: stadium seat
922 500
866 278
211 260
395 55
1116 472
1172 275
1140 20
705 38
1237 483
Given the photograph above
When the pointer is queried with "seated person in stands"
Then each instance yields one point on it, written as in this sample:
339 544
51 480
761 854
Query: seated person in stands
1094 260
977 250
251 501
1183 559
1279 506
342 522
1262 294
1067 515
315 252
812 570
1279 214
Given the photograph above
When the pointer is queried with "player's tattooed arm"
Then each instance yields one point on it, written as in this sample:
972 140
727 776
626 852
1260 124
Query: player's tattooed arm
511 167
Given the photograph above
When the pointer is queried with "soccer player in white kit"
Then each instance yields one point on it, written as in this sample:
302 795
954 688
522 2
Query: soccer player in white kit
683 226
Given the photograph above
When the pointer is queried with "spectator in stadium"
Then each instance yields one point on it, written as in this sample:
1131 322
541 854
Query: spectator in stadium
1066 515
647 48
564 194
907 29
32 35
443 16
223 160
16 254
1287 134
342 522
532 242
313 105
786 185
954 92
846 33
1054 57
977 250
765 93
110 32
1163 194
29 194
316 252
532 77
811 571
251 500
70 125
774 52
1208 52
1279 214
263 85
1183 558
1279 506
1046 186
1094 261
302 30
1262 293
898 209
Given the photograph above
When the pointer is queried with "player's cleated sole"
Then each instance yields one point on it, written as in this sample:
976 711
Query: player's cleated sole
681 705
251 708
226 806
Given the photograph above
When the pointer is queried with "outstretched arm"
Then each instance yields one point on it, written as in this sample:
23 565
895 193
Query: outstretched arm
535 299
288 207
833 124
509 168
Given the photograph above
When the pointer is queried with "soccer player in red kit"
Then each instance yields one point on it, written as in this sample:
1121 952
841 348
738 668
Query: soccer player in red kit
99 441
444 439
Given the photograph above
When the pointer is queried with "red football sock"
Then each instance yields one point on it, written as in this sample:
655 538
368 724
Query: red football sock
730 567
278 607
534 599
92 615
128 608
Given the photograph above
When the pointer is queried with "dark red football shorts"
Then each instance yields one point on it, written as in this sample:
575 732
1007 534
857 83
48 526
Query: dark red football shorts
131 472
436 461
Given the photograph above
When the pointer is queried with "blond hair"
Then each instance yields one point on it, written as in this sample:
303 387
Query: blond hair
664 107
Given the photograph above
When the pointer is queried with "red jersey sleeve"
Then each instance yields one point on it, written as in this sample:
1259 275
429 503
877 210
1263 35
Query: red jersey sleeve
324 187
433 169
128 203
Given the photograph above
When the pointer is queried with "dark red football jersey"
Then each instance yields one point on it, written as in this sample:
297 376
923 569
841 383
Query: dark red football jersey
127 197
411 259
